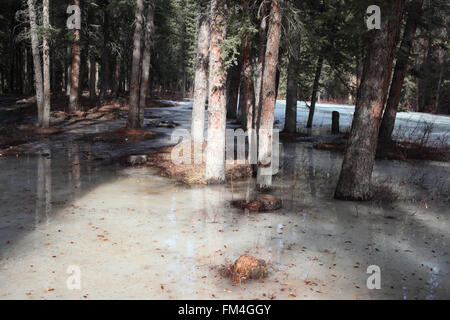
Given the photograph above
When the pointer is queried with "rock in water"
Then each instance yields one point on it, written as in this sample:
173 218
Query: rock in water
269 203
263 203
248 267
139 159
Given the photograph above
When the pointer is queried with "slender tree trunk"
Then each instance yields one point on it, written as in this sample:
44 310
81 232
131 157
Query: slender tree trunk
241 116
290 122
259 74
438 90
355 177
133 113
82 77
268 97
117 78
92 75
215 149
401 66
233 82
38 82
145 75
68 70
105 56
314 92
75 76
201 77
46 59
248 99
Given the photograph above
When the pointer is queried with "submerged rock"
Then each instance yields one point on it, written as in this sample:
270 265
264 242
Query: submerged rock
136 159
248 267
261 204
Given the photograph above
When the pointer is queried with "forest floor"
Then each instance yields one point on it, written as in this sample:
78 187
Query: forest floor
134 232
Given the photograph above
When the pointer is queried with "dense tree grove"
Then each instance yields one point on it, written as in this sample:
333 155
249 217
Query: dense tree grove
238 57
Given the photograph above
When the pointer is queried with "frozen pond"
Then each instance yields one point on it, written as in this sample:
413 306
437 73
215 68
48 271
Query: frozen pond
406 124
135 234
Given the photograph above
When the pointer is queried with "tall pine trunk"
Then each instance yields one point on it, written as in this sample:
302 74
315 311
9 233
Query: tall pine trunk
38 83
105 75
316 83
248 99
290 122
390 113
145 73
133 113
233 82
355 178
201 76
215 149
75 72
268 97
259 73
92 75
46 59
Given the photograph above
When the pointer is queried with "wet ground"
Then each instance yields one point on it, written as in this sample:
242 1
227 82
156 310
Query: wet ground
135 234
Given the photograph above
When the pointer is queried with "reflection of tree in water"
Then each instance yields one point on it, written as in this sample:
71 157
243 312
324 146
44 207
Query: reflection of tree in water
76 172
43 187
311 172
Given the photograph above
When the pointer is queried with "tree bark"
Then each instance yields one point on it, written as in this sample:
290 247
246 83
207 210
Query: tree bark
133 113
233 83
290 122
314 92
75 72
259 74
390 113
92 75
117 78
215 149
105 75
46 59
145 75
38 82
249 100
201 77
355 178
268 97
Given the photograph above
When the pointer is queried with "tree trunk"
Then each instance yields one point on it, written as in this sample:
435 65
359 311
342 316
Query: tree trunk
38 83
438 90
290 122
215 149
82 77
201 80
92 75
145 75
105 56
259 74
355 177
390 113
241 116
46 59
268 98
75 76
117 78
314 92
133 113
68 70
248 99
233 82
